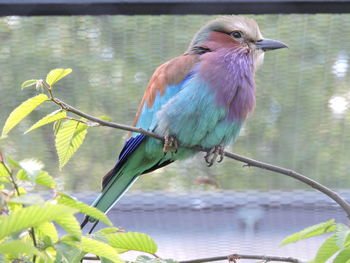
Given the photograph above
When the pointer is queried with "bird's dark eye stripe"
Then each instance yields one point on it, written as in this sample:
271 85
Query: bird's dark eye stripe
236 34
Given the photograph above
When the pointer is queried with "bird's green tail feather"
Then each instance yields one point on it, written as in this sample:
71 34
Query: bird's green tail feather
113 191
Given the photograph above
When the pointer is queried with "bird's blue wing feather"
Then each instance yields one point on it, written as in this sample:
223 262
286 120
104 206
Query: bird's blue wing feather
147 119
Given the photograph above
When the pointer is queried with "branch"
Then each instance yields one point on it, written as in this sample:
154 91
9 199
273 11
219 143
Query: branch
248 161
230 258
234 257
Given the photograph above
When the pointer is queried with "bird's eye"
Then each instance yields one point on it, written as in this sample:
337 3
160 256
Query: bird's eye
236 34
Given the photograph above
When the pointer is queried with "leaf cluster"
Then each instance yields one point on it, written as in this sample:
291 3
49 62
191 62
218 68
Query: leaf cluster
29 221
69 132
335 247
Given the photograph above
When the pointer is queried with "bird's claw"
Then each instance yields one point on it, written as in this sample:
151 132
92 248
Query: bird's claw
213 154
170 144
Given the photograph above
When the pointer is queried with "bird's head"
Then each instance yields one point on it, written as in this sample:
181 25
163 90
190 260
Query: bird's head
233 32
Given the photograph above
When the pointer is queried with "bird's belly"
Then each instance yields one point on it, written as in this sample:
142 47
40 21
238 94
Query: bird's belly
194 118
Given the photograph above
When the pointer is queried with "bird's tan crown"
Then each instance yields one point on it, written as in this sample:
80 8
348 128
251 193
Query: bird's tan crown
229 24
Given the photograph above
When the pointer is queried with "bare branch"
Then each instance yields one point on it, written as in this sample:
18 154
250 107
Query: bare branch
248 161
230 258
234 257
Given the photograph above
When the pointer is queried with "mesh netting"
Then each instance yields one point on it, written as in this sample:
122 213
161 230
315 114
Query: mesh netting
301 120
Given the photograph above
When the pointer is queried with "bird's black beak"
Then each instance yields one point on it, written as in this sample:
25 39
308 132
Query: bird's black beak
269 44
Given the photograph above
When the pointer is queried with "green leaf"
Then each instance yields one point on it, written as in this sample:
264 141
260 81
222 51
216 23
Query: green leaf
69 138
326 250
18 247
67 253
57 74
47 229
22 111
22 175
132 241
12 162
43 178
54 116
3 171
4 180
83 208
70 224
343 256
29 83
31 216
311 231
108 230
100 249
28 199
341 234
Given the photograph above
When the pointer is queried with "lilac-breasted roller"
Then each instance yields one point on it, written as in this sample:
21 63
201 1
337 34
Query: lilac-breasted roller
200 98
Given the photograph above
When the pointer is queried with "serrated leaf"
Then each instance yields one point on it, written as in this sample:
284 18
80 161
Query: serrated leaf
57 74
343 256
28 83
43 178
47 229
69 138
17 247
22 111
311 231
3 171
132 241
341 234
70 224
326 250
100 249
54 116
32 216
67 253
83 208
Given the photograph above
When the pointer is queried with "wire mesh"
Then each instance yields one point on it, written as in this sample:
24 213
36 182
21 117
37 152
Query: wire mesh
301 120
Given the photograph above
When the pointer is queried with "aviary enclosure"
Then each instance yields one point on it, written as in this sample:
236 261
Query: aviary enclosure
301 122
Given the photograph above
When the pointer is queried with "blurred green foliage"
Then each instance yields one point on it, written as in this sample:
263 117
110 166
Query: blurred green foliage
113 58
27 232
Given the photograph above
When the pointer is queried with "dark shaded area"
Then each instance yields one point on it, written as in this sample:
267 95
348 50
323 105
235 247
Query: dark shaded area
174 7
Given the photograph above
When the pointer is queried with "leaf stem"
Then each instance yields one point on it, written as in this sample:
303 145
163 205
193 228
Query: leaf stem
13 181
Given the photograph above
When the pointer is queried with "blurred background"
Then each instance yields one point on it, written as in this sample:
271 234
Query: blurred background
301 122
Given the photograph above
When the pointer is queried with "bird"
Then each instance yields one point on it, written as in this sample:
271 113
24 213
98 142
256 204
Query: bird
200 98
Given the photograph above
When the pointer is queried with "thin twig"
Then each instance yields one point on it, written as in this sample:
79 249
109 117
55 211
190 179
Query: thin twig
106 123
241 256
32 234
248 161
15 186
13 181
236 256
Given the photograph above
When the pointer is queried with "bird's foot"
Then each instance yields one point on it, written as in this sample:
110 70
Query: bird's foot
170 144
213 154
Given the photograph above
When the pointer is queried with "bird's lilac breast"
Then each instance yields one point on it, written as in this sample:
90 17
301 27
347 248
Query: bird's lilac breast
230 75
